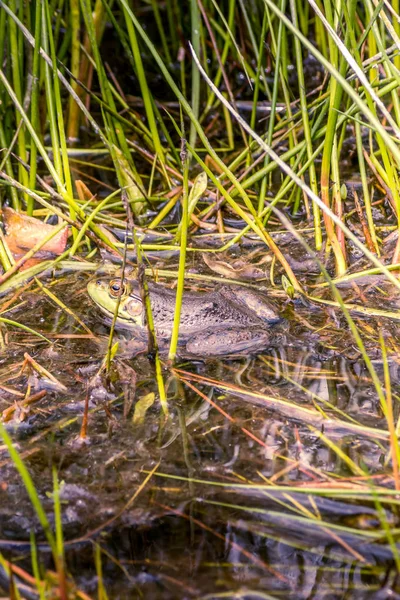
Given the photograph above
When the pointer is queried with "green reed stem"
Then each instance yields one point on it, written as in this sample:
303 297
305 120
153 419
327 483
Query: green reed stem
271 123
306 123
51 108
8 166
75 66
40 586
17 77
59 537
387 409
146 95
386 526
89 220
224 54
35 104
161 31
195 22
101 590
259 74
55 92
30 488
152 331
182 259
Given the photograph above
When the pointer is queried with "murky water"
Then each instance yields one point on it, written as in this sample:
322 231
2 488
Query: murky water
259 484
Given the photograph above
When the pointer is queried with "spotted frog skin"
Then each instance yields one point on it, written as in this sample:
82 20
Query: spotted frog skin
228 321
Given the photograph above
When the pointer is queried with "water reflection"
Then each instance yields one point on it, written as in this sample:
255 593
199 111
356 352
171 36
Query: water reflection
272 476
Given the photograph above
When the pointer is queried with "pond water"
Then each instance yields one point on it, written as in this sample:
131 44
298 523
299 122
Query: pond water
271 477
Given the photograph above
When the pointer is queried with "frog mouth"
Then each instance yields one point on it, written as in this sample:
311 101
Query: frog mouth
128 320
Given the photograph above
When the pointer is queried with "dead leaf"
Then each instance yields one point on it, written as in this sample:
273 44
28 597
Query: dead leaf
23 233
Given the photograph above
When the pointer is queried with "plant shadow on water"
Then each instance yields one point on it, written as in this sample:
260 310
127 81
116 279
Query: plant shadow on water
269 477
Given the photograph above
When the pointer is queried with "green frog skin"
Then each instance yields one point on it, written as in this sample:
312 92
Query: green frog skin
229 321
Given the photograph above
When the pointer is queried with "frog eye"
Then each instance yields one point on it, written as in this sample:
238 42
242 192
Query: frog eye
117 288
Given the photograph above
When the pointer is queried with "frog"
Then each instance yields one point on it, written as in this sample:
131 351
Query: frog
226 321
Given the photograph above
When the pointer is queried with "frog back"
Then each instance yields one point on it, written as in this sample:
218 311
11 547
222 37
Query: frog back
199 311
